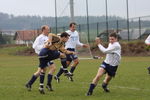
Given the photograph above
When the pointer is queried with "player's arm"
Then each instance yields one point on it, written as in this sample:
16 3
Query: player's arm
38 44
51 38
110 49
81 44
62 49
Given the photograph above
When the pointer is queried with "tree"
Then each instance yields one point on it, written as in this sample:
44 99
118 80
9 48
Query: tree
2 41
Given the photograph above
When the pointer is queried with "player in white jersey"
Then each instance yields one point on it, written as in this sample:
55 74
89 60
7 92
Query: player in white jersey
38 45
147 42
71 46
109 65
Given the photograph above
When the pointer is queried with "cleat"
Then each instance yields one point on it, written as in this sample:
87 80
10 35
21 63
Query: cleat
89 94
57 79
41 90
49 87
148 70
68 74
70 78
105 89
28 87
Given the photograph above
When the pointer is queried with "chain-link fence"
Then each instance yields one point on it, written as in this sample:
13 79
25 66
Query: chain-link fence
139 29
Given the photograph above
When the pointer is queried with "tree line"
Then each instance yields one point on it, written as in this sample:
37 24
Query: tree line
11 22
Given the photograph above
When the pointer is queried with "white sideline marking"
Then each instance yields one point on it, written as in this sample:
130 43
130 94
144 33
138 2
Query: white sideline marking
85 58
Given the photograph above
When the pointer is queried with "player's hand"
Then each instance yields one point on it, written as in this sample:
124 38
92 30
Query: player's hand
85 46
47 44
97 41
74 53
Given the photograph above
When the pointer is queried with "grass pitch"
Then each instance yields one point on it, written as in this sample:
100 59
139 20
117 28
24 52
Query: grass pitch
132 81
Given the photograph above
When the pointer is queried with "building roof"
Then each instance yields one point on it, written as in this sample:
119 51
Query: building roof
26 35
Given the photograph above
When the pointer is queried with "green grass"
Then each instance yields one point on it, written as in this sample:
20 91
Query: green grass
131 82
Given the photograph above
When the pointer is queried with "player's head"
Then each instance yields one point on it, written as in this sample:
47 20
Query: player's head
64 36
113 37
45 29
72 26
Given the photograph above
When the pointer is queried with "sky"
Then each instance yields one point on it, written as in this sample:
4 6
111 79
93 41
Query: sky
137 8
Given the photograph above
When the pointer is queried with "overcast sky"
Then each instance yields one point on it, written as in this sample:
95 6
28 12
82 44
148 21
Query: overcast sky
96 7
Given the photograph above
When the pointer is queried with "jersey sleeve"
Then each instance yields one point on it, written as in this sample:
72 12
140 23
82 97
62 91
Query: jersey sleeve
110 49
147 41
78 41
37 45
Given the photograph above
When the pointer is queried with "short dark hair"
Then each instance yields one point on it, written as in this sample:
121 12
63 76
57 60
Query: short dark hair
72 23
64 34
114 34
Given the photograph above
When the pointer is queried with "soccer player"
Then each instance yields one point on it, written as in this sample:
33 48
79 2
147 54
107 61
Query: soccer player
109 65
38 45
147 42
52 50
71 46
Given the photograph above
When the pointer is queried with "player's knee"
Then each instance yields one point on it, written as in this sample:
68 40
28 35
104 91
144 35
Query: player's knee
53 68
37 73
76 62
97 77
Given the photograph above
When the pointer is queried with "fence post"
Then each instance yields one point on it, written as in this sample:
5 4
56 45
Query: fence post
79 27
140 27
97 29
117 26
64 28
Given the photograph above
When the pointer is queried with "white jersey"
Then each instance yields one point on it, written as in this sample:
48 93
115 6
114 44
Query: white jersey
39 43
73 40
113 53
147 41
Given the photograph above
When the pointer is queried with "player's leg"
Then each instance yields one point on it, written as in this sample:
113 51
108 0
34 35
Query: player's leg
105 83
148 70
43 64
52 69
42 77
74 65
99 74
33 79
63 68
111 72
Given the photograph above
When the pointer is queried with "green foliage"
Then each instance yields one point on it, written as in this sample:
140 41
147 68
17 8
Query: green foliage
12 50
2 40
131 82
10 22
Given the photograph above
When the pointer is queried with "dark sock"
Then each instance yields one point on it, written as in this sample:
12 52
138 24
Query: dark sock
72 69
42 76
49 79
104 85
65 70
92 86
63 62
32 80
60 72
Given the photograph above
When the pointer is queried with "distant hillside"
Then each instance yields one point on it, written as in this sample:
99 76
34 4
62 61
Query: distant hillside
11 22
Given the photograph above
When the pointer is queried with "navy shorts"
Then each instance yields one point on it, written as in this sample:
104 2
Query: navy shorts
111 70
46 57
71 57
